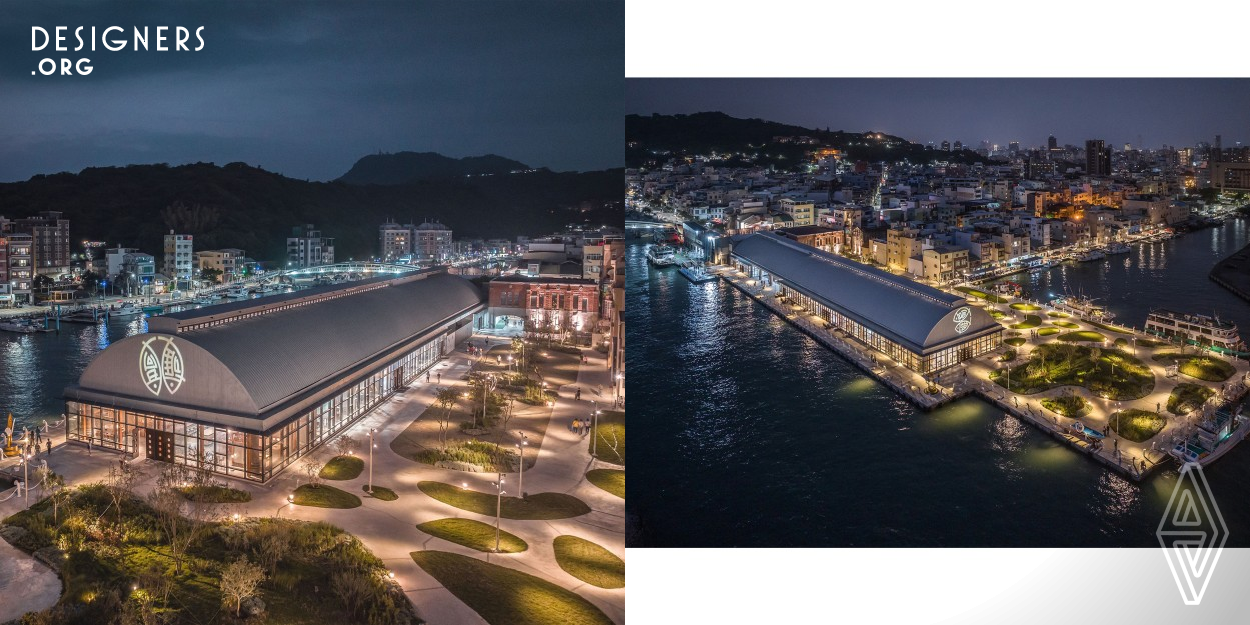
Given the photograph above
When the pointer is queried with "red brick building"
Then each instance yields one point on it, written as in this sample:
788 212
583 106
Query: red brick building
564 304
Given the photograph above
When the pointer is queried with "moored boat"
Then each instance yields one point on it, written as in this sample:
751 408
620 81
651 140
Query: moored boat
1209 332
662 255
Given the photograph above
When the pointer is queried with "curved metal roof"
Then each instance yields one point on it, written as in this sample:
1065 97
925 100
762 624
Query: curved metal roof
912 314
251 365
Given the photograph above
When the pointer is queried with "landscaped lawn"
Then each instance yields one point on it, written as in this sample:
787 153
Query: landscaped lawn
1071 406
989 297
1047 331
1138 425
342 468
589 562
380 492
611 436
1030 321
473 534
1055 313
1015 341
611 480
1198 366
1187 397
1151 343
504 596
325 496
114 567
1066 324
1087 336
1116 374
997 314
216 494
1026 307
540 506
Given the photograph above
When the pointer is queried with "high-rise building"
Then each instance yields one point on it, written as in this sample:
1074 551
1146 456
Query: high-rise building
394 241
307 248
1052 143
431 241
946 146
959 145
1097 158
179 257
1013 147
49 240
19 265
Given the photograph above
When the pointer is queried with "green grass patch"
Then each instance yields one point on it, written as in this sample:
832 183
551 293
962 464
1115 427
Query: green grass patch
215 494
1110 328
491 457
325 496
380 492
342 468
611 437
504 596
997 314
1071 406
1114 373
1030 321
1022 306
541 506
474 535
589 562
1066 324
1151 343
1015 341
1137 425
1057 314
1198 366
611 480
1082 336
1047 331
1187 397
989 297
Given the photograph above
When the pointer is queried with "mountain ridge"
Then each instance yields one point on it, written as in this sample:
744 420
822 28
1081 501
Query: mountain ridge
407 167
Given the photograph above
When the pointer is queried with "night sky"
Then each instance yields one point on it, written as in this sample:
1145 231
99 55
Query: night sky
307 88
1150 112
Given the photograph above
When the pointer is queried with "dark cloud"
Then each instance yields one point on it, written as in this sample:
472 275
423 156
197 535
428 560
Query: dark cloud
1176 112
306 88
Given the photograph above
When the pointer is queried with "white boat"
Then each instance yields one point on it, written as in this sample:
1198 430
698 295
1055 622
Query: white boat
1212 333
1082 308
1094 254
127 309
22 326
1212 438
237 292
1119 248
661 255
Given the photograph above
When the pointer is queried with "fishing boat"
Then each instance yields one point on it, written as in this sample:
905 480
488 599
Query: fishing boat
662 255
127 309
1209 332
1211 438
1118 248
1009 288
1082 307
237 292
1089 255
21 326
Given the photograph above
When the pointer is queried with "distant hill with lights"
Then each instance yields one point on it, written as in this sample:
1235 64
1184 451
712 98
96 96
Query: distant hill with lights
651 139
238 205
410 167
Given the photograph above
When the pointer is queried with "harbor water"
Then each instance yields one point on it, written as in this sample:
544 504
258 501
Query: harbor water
751 434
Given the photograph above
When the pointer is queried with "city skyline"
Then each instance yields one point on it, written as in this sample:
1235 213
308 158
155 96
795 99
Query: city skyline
1001 111
307 89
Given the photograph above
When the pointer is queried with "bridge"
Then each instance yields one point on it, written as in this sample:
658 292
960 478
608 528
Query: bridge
649 225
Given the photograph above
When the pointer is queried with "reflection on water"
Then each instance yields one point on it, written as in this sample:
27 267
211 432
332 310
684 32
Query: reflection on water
753 435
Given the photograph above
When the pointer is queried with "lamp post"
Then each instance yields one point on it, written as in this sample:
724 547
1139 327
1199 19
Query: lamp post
372 444
521 450
594 433
26 476
500 492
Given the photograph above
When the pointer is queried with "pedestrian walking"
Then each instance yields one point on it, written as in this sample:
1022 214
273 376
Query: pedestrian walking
599 390
440 377
49 447
573 427
88 447
578 394
427 377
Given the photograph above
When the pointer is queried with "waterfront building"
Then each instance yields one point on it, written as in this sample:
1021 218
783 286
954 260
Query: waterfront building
819 237
557 304
227 261
50 250
138 273
394 241
249 387
179 257
922 328
307 248
432 241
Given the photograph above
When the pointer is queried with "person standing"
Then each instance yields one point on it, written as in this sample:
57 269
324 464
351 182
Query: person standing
49 448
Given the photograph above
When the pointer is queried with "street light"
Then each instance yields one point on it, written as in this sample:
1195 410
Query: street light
500 492
372 444
525 441
594 433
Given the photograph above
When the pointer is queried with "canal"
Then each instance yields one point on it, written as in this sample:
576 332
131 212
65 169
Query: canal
753 435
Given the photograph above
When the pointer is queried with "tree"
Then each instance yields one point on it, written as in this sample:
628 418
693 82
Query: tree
58 493
240 580
274 544
446 401
120 480
208 274
346 445
312 468
167 501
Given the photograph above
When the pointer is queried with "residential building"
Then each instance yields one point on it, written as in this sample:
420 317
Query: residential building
1097 158
226 261
432 241
179 257
50 248
394 241
307 248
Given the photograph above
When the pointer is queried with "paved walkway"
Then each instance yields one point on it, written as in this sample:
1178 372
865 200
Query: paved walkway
388 528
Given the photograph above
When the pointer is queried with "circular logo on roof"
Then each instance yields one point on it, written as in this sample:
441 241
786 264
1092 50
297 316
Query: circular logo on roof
163 370
963 320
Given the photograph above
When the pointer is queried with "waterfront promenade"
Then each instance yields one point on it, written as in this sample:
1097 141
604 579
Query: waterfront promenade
388 528
973 377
